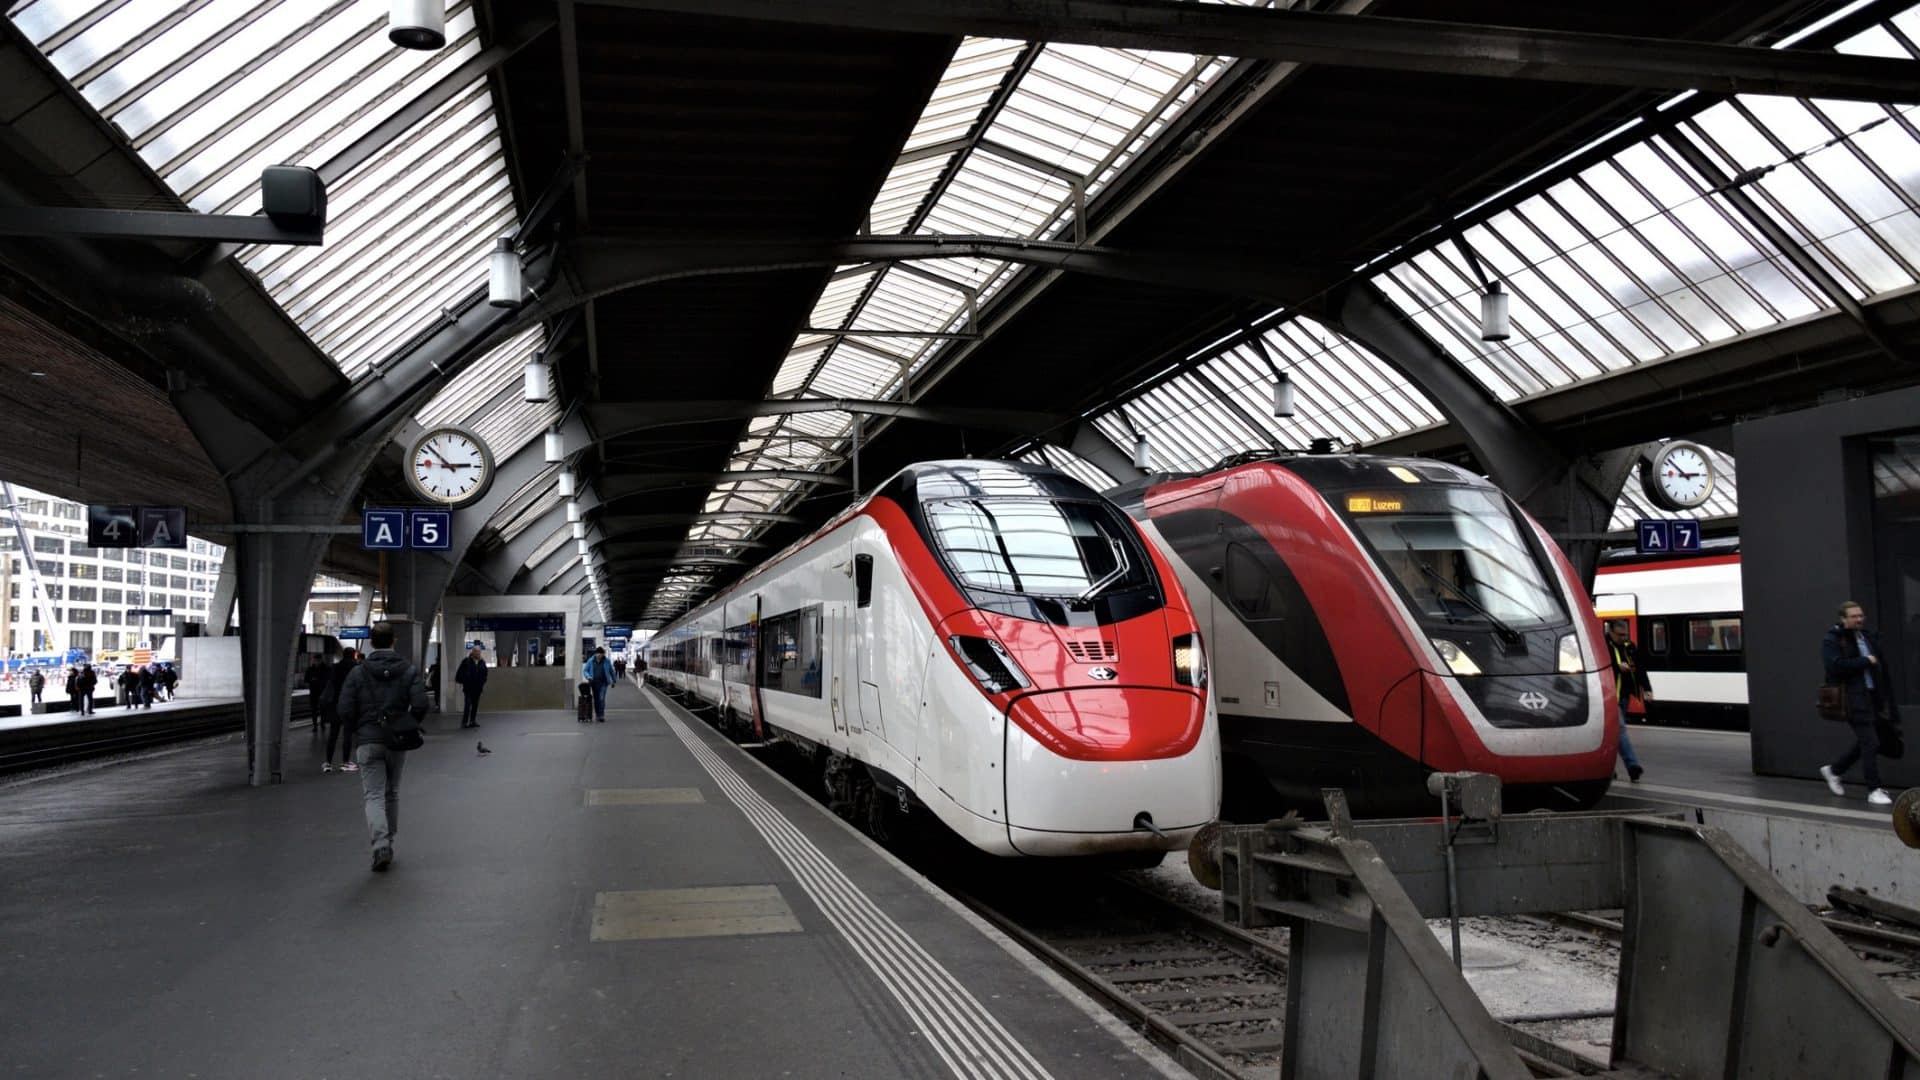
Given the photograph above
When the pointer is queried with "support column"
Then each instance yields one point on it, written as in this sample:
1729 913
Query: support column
363 607
1571 495
225 591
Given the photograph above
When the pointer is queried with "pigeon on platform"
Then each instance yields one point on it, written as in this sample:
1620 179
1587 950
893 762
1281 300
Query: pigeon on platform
482 747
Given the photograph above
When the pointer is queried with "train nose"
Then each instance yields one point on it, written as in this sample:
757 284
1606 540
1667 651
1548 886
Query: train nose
1529 701
1119 723
1109 769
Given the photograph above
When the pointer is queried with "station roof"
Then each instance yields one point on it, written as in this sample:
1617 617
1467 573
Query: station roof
1641 233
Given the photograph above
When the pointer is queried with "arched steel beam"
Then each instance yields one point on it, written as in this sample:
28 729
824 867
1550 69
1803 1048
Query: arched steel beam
1359 41
593 267
612 486
624 418
613 525
613 546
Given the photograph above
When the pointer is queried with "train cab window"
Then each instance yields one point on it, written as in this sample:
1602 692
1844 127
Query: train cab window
1457 554
1714 634
863 580
1657 636
1037 547
1249 587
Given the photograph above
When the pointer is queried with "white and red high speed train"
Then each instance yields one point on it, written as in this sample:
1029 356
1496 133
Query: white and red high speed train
990 641
1373 620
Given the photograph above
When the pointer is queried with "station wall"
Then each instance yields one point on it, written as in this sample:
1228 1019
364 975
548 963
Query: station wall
1807 542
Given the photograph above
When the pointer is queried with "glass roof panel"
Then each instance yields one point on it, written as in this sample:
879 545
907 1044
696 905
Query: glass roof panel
211 93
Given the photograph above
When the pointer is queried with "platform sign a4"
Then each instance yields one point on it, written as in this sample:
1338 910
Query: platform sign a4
113 526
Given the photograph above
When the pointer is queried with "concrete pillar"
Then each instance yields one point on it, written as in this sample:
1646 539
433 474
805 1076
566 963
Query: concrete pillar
225 591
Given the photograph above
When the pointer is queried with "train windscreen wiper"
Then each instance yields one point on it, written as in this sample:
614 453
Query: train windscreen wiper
1120 568
1507 633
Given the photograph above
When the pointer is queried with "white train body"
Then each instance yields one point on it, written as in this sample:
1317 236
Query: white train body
848 645
1686 625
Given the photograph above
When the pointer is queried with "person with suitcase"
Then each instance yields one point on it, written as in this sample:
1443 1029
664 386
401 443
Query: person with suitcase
599 676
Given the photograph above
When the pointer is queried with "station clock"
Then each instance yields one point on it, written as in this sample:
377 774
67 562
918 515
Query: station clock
1678 475
450 465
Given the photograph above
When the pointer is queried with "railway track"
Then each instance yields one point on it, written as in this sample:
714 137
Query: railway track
1210 994
53 745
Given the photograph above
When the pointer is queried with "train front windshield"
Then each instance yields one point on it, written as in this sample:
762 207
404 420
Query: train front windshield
1457 554
1054 548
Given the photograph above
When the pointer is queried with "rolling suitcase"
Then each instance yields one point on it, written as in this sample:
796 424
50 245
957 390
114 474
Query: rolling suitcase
583 704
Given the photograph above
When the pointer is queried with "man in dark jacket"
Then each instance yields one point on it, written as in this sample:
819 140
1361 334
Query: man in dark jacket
144 691
384 685
1629 682
36 686
330 709
86 683
129 683
472 677
315 680
1853 661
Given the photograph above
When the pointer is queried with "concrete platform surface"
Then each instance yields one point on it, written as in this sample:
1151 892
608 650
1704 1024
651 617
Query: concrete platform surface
1687 766
635 898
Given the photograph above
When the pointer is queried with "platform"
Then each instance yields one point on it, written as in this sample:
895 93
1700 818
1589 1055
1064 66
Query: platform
1809 838
105 710
1687 766
638 898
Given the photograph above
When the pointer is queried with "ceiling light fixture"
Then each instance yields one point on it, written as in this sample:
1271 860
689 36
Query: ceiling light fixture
1493 314
417 24
503 275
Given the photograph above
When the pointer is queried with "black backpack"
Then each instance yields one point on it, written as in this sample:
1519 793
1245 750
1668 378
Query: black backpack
399 725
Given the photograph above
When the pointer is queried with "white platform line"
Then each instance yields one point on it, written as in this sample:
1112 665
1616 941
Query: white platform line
967 1037
1708 798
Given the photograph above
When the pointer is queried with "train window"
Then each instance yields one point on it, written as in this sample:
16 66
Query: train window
1249 587
1657 636
1037 547
790 652
1713 634
863 580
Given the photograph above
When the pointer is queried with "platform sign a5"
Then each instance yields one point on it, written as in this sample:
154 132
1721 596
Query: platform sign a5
383 530
430 530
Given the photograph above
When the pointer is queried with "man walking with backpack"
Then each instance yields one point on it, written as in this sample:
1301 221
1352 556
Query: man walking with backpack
384 697
599 675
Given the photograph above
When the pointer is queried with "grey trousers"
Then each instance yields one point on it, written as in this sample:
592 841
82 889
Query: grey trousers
380 789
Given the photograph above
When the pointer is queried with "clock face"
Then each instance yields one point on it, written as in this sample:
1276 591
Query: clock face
450 465
1685 475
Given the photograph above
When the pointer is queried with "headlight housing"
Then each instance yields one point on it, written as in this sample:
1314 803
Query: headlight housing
1570 661
1456 657
987 661
1189 661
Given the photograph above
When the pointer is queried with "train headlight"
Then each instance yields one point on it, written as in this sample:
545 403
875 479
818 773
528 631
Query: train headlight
1456 657
1570 662
1189 661
987 661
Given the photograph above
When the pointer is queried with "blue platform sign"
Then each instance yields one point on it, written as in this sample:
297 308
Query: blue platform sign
355 633
383 530
618 630
1656 537
430 530
1686 536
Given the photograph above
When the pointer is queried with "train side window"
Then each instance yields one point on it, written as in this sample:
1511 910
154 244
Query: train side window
1249 587
863 580
1714 634
1657 636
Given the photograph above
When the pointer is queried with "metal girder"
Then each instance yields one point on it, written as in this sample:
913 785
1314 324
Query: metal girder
614 524
625 418
152 225
613 486
1362 41
600 265
498 567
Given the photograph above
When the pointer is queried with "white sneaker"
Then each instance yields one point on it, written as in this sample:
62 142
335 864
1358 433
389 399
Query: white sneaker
1879 797
1833 781
326 767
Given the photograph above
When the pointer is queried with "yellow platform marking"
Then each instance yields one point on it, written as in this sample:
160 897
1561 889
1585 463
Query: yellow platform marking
639 796
724 911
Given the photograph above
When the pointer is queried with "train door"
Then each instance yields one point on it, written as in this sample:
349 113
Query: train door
756 704
839 648
865 648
